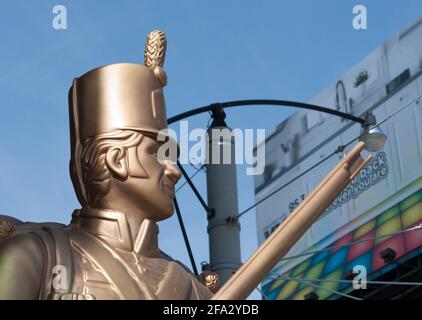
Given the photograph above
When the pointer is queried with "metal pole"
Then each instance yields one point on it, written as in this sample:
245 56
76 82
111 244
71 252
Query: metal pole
223 224
185 236
195 191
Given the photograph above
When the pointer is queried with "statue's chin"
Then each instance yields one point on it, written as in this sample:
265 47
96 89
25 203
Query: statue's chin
159 215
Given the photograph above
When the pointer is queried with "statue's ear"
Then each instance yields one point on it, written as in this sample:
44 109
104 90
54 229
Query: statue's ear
136 169
116 162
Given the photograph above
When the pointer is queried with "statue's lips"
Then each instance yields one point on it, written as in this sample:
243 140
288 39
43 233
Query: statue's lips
169 189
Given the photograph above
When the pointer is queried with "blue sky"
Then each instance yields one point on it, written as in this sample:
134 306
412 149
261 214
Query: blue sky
217 51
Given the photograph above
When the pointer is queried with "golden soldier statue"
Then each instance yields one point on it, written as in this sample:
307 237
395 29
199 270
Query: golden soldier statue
109 250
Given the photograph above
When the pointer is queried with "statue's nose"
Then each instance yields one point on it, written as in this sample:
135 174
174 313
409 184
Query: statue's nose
172 172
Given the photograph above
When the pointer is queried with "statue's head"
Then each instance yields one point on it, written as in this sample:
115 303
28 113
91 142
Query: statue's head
116 113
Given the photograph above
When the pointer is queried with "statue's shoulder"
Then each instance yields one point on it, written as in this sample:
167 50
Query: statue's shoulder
30 248
14 240
27 238
19 249
23 259
10 228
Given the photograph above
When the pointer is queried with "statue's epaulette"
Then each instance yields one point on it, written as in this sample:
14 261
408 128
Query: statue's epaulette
8 227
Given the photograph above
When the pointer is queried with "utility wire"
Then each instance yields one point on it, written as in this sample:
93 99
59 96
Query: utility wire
201 167
262 293
195 191
309 283
185 236
418 227
191 177
338 150
371 282
285 185
396 112
398 283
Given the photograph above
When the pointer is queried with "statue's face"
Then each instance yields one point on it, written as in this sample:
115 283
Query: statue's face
154 193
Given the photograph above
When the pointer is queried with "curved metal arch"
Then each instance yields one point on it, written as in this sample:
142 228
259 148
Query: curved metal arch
285 103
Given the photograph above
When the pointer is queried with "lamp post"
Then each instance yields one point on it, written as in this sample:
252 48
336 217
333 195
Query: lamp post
222 208
223 224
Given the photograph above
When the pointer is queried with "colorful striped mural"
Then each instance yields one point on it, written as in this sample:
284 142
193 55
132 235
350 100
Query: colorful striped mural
362 246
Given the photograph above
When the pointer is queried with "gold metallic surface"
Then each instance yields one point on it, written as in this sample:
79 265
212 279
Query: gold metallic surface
210 280
155 49
161 75
7 230
110 249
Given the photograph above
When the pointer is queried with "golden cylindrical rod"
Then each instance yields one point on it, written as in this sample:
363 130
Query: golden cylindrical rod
253 271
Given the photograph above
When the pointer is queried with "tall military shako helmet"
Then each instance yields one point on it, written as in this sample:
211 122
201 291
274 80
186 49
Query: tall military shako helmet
114 97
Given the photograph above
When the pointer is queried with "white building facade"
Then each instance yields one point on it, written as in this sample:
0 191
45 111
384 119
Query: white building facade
385 198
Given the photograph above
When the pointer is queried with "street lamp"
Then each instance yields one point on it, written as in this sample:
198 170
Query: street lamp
373 137
222 207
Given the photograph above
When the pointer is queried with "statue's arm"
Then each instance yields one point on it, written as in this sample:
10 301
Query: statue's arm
22 260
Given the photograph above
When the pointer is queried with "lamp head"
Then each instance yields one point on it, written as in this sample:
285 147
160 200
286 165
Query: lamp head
374 138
